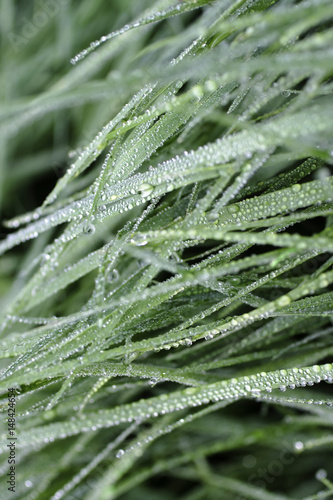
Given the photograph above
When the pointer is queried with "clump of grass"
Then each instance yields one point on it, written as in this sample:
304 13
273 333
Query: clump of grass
168 301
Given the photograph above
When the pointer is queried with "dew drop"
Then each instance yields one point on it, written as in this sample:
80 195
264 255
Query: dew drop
120 453
249 461
233 209
146 190
212 216
283 301
139 240
321 474
197 92
210 85
89 229
112 276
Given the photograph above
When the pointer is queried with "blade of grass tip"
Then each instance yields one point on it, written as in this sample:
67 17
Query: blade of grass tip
153 17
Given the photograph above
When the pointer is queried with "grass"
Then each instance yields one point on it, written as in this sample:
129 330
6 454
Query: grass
166 258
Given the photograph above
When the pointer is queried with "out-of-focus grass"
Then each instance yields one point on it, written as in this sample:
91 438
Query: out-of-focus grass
166 269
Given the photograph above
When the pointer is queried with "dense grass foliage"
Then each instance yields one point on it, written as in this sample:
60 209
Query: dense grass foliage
166 251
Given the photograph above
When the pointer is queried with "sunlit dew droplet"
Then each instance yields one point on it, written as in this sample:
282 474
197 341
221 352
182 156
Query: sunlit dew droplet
120 453
321 474
28 484
139 240
233 209
89 229
197 91
112 276
49 415
212 216
299 445
210 85
296 188
283 301
146 189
